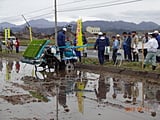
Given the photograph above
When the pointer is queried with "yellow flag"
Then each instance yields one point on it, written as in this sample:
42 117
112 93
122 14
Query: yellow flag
9 33
6 34
79 34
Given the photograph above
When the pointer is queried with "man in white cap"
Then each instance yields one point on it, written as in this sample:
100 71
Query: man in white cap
101 43
61 41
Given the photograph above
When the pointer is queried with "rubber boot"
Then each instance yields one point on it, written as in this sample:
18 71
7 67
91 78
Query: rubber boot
84 54
153 67
144 66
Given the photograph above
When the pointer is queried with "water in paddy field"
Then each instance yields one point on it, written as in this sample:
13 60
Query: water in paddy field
27 94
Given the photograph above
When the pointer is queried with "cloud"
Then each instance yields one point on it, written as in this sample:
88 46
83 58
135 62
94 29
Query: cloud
142 14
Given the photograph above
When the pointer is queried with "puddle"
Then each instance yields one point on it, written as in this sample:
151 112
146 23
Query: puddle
26 94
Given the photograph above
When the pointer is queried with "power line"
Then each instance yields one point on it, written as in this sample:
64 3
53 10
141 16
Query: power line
42 15
96 6
39 10
92 2
100 6
71 2
49 7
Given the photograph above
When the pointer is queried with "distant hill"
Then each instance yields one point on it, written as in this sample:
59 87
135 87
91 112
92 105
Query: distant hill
116 25
147 25
41 25
7 25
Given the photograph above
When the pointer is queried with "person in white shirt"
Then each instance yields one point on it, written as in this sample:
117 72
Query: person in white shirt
134 46
152 46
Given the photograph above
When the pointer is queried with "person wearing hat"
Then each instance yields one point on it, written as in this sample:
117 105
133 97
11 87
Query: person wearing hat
152 46
101 43
61 41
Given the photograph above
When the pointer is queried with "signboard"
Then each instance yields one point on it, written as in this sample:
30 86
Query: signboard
79 34
6 34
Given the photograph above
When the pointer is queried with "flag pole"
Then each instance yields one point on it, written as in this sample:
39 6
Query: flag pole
29 27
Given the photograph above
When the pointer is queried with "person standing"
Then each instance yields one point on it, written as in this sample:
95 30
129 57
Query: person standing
61 41
115 47
17 45
129 52
125 45
134 46
145 40
152 46
156 32
118 37
101 43
107 49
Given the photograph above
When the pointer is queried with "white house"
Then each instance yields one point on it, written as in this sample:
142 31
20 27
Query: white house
93 30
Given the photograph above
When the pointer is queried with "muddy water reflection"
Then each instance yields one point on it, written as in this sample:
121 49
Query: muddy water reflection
81 95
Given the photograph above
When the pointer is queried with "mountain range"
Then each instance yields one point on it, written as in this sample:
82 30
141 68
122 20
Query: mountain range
45 25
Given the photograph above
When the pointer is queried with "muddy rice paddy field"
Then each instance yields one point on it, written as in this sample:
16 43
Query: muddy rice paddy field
27 94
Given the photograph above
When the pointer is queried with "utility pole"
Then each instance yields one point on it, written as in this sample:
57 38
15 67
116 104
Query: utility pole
55 13
30 29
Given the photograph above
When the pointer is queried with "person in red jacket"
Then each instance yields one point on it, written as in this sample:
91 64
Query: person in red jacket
17 45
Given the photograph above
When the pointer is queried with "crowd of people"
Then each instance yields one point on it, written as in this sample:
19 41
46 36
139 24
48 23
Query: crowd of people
126 42
10 45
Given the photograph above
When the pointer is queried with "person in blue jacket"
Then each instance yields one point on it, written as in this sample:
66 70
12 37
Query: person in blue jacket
125 45
115 47
101 43
61 41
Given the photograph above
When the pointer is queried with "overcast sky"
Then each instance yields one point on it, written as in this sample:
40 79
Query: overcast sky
70 10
